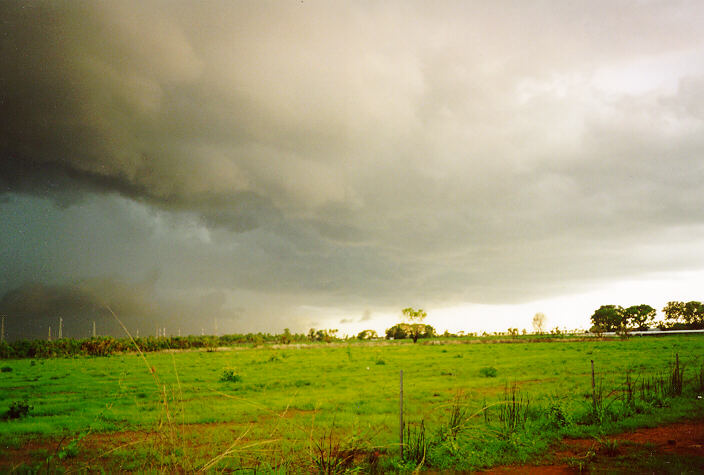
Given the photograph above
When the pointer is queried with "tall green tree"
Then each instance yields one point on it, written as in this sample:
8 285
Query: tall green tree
639 317
401 331
674 312
367 335
608 318
415 318
683 315
694 314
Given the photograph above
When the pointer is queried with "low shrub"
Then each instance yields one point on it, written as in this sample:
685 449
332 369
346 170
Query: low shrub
557 416
488 372
6 369
17 410
230 376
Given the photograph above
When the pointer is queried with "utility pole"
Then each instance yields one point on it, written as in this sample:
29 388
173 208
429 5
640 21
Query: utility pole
61 327
179 333
93 328
164 333
49 333
2 329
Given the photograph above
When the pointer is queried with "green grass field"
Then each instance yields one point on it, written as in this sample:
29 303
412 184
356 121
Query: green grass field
329 407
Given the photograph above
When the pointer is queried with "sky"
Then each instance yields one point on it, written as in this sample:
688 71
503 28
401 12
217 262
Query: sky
225 167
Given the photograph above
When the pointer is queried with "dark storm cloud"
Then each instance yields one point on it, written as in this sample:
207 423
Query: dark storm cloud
33 307
351 155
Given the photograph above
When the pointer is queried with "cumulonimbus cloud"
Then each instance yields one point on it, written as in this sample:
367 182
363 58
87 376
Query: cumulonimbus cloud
394 151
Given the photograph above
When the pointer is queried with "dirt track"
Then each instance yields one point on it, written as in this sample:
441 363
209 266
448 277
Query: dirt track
673 448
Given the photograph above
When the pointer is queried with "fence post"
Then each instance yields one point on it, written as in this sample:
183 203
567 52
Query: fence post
593 387
400 413
677 362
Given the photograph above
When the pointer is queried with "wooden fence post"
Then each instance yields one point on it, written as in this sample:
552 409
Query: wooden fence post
400 413
593 388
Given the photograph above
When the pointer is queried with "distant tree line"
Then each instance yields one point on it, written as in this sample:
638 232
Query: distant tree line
678 316
107 345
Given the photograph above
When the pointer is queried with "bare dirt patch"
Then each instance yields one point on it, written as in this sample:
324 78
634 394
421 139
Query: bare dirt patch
673 448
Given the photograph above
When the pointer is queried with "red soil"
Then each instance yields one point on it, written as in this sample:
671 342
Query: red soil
683 438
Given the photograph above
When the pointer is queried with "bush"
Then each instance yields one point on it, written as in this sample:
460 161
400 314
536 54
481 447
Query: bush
557 417
402 331
17 410
488 372
6 369
230 376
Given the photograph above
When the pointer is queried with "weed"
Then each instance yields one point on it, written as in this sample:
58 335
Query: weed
628 390
513 412
332 454
380 362
610 447
653 390
557 416
669 384
597 407
71 449
6 369
415 444
676 379
581 464
488 372
459 416
699 380
230 376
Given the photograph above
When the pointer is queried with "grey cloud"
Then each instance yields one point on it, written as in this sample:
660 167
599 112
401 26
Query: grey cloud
33 307
350 155
37 306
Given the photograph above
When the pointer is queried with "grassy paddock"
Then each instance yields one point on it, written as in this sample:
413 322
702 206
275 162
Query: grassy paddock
329 408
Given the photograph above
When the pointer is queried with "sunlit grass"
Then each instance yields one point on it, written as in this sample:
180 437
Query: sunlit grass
290 394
